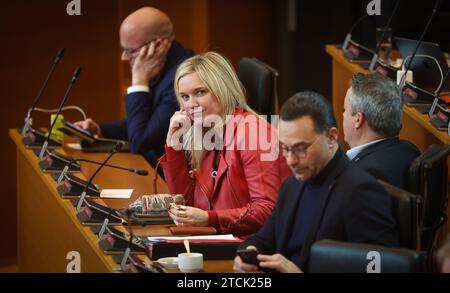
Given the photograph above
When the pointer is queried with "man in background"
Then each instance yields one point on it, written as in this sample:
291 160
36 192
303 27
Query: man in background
149 45
372 118
327 198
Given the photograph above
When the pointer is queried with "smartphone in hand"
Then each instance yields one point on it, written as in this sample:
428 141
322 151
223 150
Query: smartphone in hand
248 256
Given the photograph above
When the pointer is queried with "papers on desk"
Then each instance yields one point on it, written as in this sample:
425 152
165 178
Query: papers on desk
211 246
201 238
116 193
74 146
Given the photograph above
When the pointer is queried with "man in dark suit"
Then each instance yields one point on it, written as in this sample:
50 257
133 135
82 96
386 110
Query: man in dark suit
327 198
149 45
372 117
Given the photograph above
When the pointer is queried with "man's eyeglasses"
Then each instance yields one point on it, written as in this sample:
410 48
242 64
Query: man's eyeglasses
131 52
300 151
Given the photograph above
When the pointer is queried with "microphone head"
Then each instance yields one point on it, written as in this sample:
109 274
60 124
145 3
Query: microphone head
59 55
77 72
436 5
141 172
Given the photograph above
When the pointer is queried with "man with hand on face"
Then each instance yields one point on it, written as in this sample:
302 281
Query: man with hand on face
327 198
147 39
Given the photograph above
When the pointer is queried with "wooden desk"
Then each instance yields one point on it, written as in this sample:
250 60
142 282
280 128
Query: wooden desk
47 225
415 126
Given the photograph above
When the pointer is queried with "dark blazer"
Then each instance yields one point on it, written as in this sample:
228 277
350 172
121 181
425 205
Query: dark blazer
148 114
389 160
353 207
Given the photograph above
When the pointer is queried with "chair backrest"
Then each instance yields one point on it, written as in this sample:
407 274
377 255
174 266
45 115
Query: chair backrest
406 208
329 256
428 176
260 82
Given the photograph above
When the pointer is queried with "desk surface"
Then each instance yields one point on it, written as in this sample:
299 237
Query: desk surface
48 226
353 68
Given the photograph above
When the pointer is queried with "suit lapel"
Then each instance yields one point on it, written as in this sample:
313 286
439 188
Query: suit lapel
221 170
374 148
289 214
324 194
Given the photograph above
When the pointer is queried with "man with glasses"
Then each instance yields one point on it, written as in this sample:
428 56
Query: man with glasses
149 46
372 118
327 198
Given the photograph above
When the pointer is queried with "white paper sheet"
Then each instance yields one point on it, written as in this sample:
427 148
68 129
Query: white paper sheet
74 146
224 237
116 193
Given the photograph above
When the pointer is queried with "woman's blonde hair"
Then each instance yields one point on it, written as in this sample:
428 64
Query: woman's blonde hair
219 77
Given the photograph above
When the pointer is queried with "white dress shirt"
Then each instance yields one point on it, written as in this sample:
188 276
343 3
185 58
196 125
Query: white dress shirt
353 152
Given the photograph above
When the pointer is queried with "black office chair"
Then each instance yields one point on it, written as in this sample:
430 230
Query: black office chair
406 209
329 256
428 176
346 257
260 82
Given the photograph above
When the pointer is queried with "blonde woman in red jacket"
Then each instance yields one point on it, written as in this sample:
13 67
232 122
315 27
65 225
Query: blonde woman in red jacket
220 155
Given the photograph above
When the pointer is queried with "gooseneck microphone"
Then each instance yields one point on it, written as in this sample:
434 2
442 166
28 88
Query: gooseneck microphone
28 118
419 42
380 42
348 37
75 76
74 161
116 149
438 93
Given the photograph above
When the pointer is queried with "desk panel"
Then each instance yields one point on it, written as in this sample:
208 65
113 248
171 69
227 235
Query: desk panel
47 224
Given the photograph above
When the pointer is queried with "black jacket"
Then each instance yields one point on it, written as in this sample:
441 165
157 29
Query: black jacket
388 160
353 208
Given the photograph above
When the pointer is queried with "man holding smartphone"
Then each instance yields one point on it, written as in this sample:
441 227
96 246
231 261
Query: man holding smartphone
328 197
149 46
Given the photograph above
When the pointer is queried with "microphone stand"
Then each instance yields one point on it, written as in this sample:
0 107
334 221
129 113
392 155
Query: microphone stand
30 135
403 79
377 49
116 148
75 76
28 119
59 177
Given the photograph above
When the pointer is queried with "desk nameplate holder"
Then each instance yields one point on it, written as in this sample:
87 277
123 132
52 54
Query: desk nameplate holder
440 116
55 162
418 98
112 241
125 260
128 264
347 40
94 214
72 187
356 53
385 69
34 139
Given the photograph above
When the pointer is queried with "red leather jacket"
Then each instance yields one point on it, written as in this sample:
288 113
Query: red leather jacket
246 187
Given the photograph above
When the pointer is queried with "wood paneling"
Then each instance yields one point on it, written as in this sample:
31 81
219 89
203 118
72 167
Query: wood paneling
242 28
33 30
